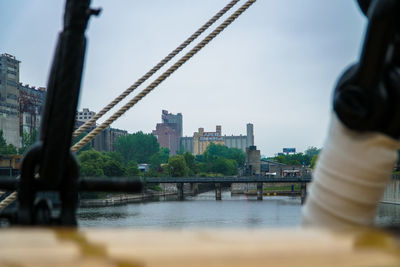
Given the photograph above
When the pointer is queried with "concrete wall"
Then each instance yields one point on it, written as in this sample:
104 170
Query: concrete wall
10 126
104 141
253 161
239 142
187 144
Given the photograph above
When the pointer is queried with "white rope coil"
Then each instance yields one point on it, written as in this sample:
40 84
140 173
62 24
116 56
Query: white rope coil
352 172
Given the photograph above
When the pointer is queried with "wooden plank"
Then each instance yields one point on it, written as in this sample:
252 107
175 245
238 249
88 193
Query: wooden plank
213 247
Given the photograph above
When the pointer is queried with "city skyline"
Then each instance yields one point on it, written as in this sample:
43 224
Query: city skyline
275 66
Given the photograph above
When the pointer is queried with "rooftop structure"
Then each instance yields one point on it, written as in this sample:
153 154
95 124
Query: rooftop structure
84 115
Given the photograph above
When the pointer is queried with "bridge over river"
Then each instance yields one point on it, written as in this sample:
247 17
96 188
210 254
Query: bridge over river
220 181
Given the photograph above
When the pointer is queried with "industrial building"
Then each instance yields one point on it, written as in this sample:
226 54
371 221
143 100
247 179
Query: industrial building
169 132
84 115
197 145
202 139
31 103
9 95
105 140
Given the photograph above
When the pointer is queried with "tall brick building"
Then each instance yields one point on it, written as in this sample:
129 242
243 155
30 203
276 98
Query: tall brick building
169 132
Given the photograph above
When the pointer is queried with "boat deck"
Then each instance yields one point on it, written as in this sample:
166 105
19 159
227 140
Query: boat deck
213 247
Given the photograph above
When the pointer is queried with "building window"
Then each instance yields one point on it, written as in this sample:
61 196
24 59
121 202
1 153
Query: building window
12 96
11 83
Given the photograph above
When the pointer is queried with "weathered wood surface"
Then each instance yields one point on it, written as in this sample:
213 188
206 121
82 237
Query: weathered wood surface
127 247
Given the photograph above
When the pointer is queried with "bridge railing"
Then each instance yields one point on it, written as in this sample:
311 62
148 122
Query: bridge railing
228 179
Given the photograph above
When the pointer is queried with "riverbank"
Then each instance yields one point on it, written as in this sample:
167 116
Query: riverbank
122 199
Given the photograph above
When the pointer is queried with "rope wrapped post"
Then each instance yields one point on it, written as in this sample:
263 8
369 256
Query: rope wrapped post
162 77
164 61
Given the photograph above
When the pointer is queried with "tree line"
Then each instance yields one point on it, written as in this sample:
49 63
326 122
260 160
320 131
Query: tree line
138 148
28 139
308 158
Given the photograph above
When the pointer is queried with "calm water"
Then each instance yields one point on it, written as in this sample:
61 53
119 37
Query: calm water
204 211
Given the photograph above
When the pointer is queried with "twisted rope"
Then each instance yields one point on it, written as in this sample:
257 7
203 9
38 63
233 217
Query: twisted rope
8 200
162 77
164 61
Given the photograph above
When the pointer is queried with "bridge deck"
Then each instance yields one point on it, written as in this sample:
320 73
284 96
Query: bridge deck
240 179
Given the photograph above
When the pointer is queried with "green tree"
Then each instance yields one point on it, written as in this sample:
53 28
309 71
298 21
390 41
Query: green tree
225 166
215 151
91 162
314 161
177 166
189 159
6 149
159 158
28 140
90 170
132 169
138 147
164 154
237 155
113 156
113 168
312 151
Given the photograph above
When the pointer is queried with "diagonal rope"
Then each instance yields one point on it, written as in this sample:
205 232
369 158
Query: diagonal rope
164 61
13 196
162 77
8 200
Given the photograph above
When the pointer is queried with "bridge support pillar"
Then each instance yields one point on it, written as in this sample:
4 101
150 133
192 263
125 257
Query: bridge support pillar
303 192
218 191
259 191
194 188
179 186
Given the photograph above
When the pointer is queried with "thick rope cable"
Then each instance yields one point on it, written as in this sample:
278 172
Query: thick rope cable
162 77
164 61
8 200
13 196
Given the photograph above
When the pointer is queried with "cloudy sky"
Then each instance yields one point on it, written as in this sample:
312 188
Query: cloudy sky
275 66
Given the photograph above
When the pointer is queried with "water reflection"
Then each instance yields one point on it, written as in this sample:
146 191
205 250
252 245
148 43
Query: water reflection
388 215
203 211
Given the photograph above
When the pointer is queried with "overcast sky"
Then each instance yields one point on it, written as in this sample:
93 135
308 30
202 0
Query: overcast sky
275 66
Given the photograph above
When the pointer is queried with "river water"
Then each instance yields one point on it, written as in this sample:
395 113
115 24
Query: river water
204 211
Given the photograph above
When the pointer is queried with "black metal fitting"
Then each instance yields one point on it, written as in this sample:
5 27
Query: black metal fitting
49 165
367 94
